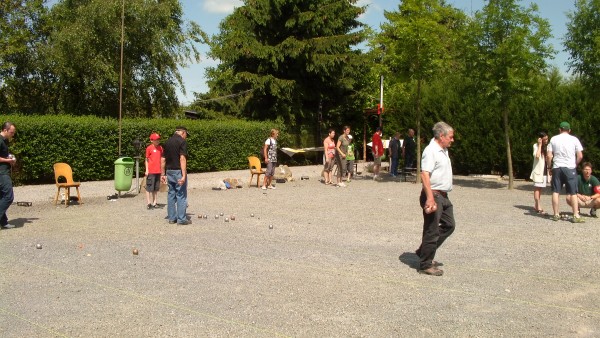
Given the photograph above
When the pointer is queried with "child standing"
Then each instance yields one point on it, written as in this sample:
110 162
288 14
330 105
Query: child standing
153 156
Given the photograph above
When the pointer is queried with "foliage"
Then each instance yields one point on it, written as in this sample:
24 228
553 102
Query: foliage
291 59
89 144
419 41
75 63
583 41
509 48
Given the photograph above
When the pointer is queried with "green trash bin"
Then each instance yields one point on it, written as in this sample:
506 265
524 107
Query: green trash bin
123 173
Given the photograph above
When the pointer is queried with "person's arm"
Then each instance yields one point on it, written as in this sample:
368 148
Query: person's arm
579 157
538 151
337 147
430 202
183 164
163 169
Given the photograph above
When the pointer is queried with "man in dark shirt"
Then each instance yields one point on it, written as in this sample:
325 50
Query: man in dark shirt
409 149
174 173
6 162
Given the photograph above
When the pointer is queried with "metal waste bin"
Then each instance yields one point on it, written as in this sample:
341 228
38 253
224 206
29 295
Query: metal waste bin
123 173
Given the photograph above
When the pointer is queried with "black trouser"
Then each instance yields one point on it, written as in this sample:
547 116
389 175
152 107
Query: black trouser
6 197
437 226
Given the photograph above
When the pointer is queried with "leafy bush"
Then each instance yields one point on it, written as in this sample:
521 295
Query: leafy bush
91 144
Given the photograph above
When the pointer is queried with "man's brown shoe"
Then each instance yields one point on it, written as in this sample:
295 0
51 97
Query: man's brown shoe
432 271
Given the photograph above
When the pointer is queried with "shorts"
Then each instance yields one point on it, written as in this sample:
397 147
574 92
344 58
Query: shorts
152 182
376 160
564 176
270 169
329 164
541 184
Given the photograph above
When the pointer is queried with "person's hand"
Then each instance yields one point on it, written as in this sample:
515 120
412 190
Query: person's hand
539 141
181 181
163 179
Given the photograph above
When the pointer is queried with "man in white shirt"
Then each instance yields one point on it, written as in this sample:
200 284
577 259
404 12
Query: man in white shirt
438 215
565 153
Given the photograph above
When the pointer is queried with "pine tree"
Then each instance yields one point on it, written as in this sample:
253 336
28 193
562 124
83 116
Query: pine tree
294 57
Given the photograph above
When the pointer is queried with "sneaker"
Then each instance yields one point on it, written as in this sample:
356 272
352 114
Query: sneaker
172 222
185 222
556 218
341 184
578 220
374 177
149 207
348 181
264 188
271 187
593 212
9 226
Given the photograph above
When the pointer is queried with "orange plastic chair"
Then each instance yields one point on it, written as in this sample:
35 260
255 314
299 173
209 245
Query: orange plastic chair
64 170
255 169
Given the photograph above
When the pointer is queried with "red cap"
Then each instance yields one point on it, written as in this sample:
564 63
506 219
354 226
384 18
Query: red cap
154 137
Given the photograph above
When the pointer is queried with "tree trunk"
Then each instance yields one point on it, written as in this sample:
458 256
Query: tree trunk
418 108
507 139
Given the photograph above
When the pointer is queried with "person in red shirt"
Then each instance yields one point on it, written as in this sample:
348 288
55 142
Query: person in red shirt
377 148
153 154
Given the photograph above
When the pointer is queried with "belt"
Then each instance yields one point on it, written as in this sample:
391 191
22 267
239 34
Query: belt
439 192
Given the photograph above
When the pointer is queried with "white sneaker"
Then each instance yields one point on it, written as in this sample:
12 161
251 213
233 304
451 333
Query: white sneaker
264 188
341 184
271 187
9 226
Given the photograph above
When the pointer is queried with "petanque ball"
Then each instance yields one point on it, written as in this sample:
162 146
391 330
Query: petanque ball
270 226
135 252
38 246
232 217
226 219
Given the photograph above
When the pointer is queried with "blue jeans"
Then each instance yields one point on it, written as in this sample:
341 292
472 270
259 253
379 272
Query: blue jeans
6 197
394 166
177 197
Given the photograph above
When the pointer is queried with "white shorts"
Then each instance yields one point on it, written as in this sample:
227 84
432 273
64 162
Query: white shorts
542 184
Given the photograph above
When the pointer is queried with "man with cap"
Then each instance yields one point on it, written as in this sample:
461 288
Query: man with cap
564 155
174 173
154 154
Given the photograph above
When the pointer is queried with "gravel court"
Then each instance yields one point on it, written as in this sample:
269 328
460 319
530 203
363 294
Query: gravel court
338 262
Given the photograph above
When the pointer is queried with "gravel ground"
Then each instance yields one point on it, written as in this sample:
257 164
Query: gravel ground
338 262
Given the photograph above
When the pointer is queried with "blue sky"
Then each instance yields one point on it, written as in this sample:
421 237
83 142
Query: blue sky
209 13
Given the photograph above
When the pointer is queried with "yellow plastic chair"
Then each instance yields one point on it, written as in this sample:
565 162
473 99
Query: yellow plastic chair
255 169
64 170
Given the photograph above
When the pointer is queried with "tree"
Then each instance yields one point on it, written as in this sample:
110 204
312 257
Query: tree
420 40
509 50
20 28
583 41
291 58
79 57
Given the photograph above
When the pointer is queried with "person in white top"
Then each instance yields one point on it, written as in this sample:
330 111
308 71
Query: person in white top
565 153
539 173
438 215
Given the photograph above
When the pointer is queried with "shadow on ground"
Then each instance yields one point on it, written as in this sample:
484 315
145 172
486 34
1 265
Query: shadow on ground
411 259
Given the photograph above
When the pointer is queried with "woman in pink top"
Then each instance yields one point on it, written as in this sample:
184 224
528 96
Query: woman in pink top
329 147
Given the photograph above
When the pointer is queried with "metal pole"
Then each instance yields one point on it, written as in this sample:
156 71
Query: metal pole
121 71
381 100
137 173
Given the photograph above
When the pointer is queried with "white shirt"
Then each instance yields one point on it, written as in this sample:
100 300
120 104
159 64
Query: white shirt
436 162
564 148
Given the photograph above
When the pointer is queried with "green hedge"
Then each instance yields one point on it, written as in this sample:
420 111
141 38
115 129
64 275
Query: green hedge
90 144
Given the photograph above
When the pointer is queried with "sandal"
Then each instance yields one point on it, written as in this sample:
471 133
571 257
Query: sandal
540 211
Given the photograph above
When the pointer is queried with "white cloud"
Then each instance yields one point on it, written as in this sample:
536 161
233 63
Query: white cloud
221 6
